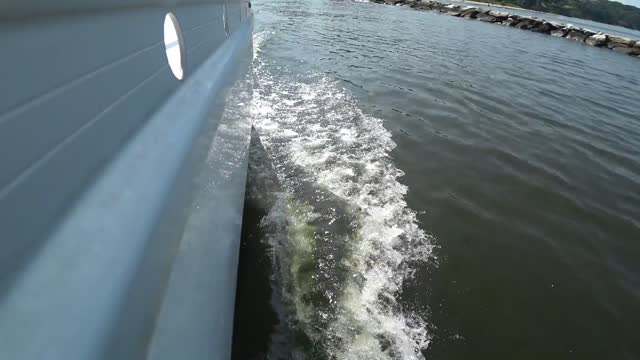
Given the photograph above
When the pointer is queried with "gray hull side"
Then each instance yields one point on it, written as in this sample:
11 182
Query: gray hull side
121 188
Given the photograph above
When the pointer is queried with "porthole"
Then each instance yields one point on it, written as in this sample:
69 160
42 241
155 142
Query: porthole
174 46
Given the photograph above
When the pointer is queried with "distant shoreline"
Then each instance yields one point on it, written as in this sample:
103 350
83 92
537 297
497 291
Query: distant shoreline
493 5
606 12
615 43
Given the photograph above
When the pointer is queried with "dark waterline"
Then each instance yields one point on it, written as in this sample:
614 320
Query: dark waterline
255 319
521 155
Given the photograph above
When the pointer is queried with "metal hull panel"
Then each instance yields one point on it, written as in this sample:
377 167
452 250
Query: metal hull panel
121 188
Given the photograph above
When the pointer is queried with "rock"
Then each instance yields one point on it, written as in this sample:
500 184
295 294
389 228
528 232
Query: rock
637 44
559 33
621 40
510 22
543 27
576 35
555 25
629 50
469 13
424 5
437 6
624 50
613 44
453 12
485 17
526 24
597 40
500 15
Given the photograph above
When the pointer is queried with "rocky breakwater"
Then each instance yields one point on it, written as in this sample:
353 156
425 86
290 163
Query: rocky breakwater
616 43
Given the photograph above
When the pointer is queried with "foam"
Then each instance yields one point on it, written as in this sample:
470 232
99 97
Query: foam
317 138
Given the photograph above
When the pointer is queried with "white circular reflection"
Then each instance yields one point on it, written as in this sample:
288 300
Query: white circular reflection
174 45
225 21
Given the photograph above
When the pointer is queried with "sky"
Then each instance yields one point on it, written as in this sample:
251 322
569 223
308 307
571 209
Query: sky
635 3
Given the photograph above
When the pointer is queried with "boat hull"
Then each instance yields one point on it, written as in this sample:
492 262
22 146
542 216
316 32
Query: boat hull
122 187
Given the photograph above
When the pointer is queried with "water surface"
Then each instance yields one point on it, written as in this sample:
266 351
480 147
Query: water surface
425 186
